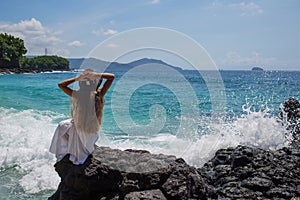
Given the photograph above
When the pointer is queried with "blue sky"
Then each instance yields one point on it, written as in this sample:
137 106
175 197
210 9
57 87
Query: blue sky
236 34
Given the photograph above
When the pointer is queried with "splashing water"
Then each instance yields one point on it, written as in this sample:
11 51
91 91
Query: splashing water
24 138
254 129
24 145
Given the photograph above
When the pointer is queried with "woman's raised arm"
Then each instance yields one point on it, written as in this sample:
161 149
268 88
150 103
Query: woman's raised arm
64 86
109 79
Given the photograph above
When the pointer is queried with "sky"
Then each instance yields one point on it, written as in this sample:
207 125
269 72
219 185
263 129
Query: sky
235 34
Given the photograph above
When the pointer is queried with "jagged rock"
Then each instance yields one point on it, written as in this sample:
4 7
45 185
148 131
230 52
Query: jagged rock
290 117
115 174
291 108
256 183
146 195
260 174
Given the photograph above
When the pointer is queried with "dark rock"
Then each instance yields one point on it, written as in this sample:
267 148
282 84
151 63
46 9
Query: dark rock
115 174
176 187
146 195
291 110
257 183
279 192
290 118
241 156
184 182
240 161
255 173
221 159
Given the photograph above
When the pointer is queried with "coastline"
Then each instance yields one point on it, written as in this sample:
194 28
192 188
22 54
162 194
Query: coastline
27 70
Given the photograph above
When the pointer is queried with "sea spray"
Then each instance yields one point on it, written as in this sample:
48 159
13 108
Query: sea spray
26 135
254 128
25 139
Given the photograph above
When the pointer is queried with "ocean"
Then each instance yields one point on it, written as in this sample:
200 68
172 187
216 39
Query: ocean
186 115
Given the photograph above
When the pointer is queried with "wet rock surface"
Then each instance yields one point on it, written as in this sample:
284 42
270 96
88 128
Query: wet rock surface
173 179
251 173
290 117
233 173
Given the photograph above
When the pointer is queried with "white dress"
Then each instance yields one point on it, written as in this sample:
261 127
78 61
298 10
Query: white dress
67 140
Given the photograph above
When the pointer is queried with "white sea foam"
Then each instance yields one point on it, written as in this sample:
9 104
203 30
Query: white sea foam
25 137
60 71
255 129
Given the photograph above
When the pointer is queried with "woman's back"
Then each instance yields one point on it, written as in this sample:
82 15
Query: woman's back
87 111
78 135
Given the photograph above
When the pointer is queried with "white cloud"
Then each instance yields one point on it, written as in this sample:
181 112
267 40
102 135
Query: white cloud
36 37
76 43
244 8
107 32
110 32
155 1
32 26
112 45
248 9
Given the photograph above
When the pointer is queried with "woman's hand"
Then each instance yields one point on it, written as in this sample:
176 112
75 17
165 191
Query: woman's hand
108 76
109 79
88 75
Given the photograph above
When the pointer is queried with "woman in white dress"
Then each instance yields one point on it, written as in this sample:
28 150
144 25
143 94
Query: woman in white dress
75 138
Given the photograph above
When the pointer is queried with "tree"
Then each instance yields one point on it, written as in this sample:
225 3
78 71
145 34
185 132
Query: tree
46 63
12 50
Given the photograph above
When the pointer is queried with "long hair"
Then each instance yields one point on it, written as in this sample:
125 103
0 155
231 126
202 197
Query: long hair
87 106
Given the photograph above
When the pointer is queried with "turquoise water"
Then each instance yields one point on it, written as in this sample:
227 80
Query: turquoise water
183 115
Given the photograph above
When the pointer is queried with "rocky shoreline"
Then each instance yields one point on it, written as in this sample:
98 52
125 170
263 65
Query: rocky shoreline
252 173
25 70
233 173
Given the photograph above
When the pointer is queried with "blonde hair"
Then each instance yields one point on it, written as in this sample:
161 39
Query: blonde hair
87 110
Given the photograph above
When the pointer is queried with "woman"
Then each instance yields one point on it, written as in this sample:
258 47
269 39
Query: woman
76 137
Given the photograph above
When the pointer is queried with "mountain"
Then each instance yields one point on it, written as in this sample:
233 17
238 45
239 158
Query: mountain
100 65
148 61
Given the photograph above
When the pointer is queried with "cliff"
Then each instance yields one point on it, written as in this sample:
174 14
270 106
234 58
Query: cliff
235 173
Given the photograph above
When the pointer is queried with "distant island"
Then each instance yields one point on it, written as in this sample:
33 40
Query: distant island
257 69
100 65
